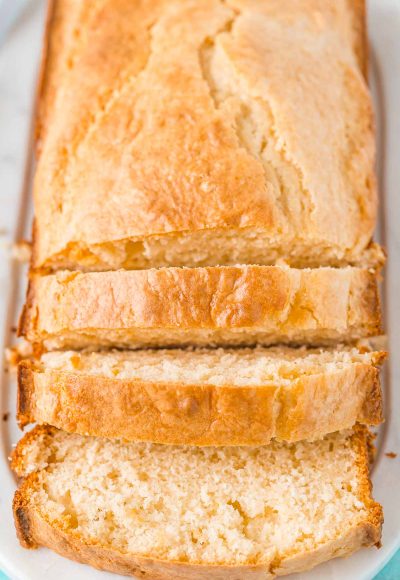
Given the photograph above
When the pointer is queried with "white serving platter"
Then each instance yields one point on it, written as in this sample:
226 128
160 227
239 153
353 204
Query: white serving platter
19 57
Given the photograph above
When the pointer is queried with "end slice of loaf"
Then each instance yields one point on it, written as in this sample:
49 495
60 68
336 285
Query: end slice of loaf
202 397
198 145
188 512
238 305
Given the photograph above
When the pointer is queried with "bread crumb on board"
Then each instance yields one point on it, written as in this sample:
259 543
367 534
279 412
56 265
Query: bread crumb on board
391 454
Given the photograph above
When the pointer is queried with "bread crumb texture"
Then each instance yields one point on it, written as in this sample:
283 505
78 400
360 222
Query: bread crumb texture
200 505
237 367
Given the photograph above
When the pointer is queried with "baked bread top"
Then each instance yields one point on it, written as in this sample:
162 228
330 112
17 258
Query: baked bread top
202 396
228 305
243 139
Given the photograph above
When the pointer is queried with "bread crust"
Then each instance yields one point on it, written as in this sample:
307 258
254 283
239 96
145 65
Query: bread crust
359 10
53 36
81 64
200 414
34 529
201 306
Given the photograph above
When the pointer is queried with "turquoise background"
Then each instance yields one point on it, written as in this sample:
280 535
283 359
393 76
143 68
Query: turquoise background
390 572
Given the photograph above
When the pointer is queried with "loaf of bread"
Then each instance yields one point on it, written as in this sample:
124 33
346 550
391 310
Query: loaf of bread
202 397
205 178
188 512
246 138
230 305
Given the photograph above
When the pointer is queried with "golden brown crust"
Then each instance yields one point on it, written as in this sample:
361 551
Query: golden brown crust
25 393
199 414
23 521
45 89
17 458
361 35
278 188
219 305
362 442
35 529
373 402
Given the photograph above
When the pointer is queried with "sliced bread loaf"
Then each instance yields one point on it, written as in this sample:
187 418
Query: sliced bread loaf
202 397
238 305
169 512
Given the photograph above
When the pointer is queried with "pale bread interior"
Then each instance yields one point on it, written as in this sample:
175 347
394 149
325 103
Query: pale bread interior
209 247
200 505
140 338
237 367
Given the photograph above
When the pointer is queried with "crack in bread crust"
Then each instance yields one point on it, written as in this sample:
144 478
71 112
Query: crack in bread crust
252 165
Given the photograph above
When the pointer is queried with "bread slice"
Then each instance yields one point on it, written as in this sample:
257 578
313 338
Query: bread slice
202 397
200 146
190 512
238 305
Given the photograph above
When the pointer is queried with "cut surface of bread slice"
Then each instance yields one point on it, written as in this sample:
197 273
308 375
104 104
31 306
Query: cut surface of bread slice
202 397
188 512
202 145
238 305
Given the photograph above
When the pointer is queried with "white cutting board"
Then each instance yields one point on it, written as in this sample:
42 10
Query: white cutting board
19 57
